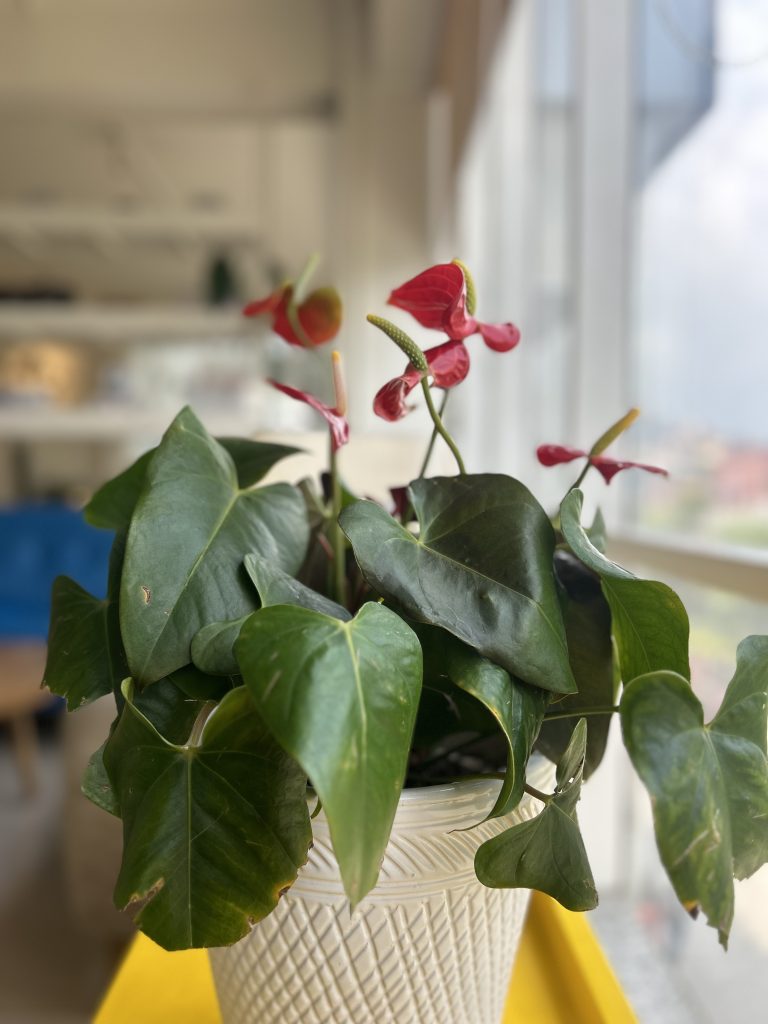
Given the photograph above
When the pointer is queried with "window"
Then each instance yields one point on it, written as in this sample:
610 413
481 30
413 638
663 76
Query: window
700 301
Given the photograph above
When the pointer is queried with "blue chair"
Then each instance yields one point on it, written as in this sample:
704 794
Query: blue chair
39 542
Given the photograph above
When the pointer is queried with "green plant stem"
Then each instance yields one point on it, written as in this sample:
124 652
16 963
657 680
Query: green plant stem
532 791
608 709
580 478
440 428
337 537
199 724
433 438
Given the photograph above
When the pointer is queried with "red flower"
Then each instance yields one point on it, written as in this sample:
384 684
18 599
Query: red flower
437 298
555 454
448 366
318 316
335 418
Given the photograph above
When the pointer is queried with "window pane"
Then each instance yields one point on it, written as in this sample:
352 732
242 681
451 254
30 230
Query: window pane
701 248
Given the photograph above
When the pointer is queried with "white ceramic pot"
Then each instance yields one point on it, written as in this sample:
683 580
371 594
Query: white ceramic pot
429 945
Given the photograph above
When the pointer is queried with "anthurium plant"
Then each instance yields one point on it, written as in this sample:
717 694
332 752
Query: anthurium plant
271 649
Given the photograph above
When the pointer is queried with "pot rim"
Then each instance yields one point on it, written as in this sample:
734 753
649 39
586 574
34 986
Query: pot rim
454 805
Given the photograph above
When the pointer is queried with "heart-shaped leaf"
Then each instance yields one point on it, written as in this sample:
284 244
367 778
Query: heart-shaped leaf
95 784
189 532
170 708
650 624
588 628
481 568
215 829
277 587
213 648
86 659
198 686
517 708
708 783
111 507
341 698
546 853
80 664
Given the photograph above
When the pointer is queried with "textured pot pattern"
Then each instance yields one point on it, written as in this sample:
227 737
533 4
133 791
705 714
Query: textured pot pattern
429 945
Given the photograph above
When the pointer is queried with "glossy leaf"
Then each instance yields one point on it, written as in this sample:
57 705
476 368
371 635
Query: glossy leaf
85 660
588 628
276 587
95 784
546 853
170 709
341 697
215 829
213 648
517 708
481 568
111 507
189 532
650 624
708 783
198 685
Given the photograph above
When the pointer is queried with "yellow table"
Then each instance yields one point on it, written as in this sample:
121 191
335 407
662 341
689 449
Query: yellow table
561 976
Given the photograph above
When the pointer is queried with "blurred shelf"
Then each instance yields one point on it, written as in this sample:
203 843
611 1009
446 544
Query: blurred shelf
22 224
108 423
118 324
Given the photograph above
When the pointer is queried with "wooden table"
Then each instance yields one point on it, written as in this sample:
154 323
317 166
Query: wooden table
21 668
561 976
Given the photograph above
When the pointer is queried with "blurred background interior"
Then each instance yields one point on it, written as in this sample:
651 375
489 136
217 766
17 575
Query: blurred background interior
601 165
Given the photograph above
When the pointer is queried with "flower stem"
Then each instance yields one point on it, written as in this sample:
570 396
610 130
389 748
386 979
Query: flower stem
440 428
531 791
433 438
608 709
579 479
199 723
337 537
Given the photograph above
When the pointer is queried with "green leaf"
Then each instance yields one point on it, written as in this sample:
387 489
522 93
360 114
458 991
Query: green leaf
708 783
189 532
95 784
588 628
546 853
597 532
85 660
213 648
215 829
254 459
650 624
111 507
170 709
277 587
517 708
481 569
201 686
341 697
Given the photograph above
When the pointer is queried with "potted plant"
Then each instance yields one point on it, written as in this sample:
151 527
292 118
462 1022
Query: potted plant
295 670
